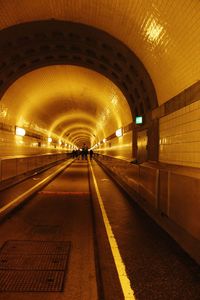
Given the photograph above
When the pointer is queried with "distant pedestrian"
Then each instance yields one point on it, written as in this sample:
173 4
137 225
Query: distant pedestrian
77 153
73 153
84 151
91 153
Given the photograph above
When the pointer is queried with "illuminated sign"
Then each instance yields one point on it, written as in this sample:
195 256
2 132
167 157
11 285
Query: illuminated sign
138 120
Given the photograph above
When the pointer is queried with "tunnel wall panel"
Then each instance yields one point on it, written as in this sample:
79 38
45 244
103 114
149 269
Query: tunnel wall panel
14 167
11 145
171 191
8 168
118 147
148 187
163 203
22 165
180 136
184 202
32 163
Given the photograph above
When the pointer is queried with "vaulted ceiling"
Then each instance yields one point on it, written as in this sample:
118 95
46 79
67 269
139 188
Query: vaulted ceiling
67 101
144 51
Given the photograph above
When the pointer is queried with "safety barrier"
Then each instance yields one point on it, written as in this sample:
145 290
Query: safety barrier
171 191
12 168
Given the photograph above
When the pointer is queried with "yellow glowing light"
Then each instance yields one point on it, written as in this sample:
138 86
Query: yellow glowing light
119 132
49 139
104 141
153 30
20 131
114 101
3 111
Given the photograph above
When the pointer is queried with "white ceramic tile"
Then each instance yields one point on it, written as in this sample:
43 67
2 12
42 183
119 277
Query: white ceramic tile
182 133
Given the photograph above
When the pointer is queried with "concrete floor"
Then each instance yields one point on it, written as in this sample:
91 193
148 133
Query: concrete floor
60 212
63 211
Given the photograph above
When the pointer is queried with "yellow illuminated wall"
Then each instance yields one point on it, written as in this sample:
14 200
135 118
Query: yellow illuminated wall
119 147
180 136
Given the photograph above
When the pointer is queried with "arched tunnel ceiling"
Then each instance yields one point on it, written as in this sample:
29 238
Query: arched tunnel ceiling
67 102
163 34
28 46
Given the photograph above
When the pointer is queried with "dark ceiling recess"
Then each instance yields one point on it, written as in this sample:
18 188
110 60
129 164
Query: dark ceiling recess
29 46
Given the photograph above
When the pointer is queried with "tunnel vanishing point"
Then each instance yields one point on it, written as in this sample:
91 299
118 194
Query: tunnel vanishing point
121 77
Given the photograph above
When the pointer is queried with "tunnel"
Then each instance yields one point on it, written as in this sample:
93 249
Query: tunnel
119 81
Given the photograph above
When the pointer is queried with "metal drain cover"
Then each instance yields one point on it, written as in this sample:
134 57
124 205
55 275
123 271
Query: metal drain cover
35 247
31 281
33 266
33 262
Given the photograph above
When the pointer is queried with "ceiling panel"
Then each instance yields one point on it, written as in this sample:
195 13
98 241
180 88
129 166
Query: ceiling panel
163 34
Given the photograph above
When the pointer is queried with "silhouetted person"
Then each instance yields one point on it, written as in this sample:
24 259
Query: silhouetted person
84 152
77 153
91 153
73 153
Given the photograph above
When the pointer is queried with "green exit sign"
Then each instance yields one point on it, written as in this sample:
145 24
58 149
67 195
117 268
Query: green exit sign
138 120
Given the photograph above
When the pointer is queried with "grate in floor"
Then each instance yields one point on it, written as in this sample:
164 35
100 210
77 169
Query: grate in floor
33 262
31 281
33 266
35 247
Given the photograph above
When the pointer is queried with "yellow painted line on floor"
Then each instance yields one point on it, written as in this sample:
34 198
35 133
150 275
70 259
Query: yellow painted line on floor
121 269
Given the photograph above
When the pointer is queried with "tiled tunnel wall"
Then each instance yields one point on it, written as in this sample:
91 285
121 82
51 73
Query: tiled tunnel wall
11 145
118 147
180 136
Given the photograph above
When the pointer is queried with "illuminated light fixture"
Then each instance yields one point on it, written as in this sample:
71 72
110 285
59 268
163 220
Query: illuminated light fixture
49 139
138 120
119 132
20 131
153 30
104 140
59 142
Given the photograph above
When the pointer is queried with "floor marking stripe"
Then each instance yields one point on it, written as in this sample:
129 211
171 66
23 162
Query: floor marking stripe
63 193
121 269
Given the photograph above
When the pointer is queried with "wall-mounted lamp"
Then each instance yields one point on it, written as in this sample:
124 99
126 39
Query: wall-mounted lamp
49 139
104 141
119 132
20 131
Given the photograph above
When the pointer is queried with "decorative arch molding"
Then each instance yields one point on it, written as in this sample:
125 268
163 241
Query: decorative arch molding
29 46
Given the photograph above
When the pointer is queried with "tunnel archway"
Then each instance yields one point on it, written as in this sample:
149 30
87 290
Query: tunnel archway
28 46
62 101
